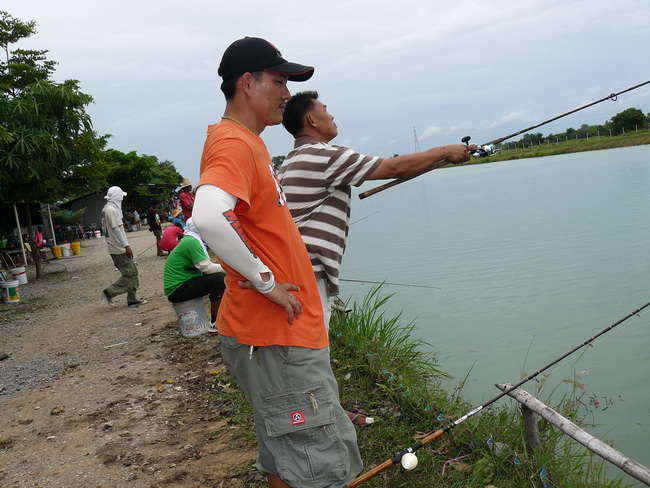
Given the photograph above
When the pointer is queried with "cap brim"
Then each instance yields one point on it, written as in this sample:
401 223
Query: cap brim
295 72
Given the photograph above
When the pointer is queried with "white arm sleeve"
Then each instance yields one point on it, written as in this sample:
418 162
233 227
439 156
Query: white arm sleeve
119 233
211 207
208 267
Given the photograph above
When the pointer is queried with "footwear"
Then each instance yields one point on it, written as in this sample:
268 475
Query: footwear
109 298
213 327
359 419
141 301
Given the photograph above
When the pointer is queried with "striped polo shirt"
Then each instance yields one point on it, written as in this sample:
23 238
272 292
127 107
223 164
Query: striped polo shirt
316 178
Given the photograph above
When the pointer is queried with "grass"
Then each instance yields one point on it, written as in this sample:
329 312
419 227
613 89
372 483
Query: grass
385 373
564 147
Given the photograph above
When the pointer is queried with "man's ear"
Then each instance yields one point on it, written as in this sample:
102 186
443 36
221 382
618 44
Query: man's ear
246 82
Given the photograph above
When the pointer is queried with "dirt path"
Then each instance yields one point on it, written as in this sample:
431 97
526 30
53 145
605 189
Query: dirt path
99 396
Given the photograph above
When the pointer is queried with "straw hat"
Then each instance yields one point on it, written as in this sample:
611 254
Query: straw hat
186 183
176 212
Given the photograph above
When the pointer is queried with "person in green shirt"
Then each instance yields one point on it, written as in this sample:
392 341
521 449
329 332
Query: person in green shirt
189 273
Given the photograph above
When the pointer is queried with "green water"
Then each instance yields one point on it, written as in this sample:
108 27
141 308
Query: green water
533 258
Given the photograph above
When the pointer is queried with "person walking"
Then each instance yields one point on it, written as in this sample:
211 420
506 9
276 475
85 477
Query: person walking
270 322
119 250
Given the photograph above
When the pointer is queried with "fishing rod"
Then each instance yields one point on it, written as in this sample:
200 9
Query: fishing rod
389 283
390 184
407 457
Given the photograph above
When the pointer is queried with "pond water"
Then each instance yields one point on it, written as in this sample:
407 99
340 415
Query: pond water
532 257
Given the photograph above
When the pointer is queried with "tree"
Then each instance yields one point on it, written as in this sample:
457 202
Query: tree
48 149
628 120
277 161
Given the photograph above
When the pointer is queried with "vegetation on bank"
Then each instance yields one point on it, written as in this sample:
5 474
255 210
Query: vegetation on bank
384 373
549 148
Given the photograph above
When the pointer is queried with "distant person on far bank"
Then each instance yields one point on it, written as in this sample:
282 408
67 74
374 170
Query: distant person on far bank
154 225
119 250
317 179
186 198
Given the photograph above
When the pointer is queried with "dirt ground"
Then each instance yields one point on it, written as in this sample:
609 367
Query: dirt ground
99 396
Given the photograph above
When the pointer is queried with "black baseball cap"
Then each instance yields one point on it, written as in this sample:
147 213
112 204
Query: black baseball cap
252 54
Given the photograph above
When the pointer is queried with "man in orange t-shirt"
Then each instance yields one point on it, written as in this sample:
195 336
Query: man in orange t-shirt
273 337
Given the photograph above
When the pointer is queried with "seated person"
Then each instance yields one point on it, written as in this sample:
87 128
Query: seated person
39 240
190 274
171 237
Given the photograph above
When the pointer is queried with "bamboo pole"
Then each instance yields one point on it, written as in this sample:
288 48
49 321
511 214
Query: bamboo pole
631 467
20 234
49 214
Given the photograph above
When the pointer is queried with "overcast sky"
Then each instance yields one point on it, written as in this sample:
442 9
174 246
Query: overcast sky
388 71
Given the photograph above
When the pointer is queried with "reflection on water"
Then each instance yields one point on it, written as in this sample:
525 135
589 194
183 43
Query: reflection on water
533 258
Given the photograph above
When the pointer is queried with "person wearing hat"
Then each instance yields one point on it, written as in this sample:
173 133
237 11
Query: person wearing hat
270 322
119 250
187 198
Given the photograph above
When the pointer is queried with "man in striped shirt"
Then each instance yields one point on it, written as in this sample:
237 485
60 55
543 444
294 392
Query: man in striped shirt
317 178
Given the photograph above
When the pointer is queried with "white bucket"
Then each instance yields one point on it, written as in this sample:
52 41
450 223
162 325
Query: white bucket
192 318
20 274
9 291
98 233
66 250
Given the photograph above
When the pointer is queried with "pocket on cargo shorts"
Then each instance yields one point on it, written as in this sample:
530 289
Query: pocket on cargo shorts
302 428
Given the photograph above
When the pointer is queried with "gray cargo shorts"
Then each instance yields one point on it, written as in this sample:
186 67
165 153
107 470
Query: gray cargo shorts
304 435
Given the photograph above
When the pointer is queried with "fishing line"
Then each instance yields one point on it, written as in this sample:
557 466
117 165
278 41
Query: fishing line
390 184
409 452
136 257
393 284
364 218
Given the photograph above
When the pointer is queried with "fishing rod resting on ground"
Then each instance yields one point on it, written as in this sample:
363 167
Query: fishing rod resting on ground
407 456
390 184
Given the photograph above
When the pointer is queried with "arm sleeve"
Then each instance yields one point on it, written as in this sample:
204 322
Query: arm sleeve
211 207
120 235
208 267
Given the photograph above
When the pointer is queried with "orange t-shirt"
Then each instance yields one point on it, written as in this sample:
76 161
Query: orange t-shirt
238 162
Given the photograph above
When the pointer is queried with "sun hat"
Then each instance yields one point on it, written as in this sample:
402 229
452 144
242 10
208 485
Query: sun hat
186 183
252 54
176 212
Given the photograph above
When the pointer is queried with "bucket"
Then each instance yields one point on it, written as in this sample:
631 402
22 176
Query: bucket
9 291
98 233
66 250
56 251
192 318
20 275
76 248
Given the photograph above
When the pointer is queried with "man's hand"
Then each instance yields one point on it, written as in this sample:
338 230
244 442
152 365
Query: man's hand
282 296
129 252
459 153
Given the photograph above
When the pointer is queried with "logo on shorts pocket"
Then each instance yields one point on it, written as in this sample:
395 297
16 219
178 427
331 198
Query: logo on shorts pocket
297 418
